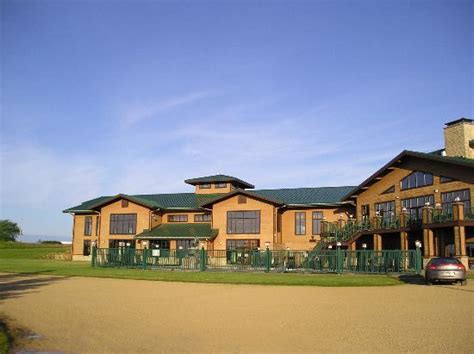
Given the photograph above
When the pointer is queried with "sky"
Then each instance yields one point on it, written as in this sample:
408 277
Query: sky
107 97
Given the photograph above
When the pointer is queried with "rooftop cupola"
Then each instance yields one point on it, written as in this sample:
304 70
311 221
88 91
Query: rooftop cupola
459 138
217 184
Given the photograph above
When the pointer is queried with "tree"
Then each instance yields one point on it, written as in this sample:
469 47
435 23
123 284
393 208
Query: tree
9 230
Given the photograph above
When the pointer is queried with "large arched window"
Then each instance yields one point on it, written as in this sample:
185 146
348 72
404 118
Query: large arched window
416 179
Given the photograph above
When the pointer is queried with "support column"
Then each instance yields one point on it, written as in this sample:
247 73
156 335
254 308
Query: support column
460 234
404 241
377 242
352 246
428 243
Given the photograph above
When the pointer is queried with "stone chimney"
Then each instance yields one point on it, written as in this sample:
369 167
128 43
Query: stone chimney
459 138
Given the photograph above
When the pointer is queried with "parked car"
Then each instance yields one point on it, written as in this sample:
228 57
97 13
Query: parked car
445 269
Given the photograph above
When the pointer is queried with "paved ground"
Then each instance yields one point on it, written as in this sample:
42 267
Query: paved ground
92 315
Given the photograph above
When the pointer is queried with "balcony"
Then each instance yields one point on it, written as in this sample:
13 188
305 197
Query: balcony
343 230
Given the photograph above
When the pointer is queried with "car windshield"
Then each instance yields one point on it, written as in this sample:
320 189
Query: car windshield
440 261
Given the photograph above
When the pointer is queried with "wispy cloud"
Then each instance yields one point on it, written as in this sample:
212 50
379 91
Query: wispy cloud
139 112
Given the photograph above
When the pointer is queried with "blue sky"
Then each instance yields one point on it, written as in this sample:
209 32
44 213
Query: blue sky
107 97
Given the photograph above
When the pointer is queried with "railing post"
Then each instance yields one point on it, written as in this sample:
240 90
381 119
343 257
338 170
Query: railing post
94 255
145 257
202 259
339 266
418 260
267 260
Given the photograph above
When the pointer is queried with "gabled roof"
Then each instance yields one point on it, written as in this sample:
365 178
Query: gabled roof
321 196
220 178
177 201
455 161
180 231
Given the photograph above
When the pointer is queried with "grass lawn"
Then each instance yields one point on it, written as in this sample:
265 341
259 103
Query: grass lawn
28 260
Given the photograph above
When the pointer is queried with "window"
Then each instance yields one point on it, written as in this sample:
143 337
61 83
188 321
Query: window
386 210
178 218
205 186
86 251
416 179
124 203
123 224
242 245
447 199
202 217
389 190
243 222
97 225
444 179
242 199
300 223
88 226
317 219
220 185
160 244
365 212
414 206
121 243
184 244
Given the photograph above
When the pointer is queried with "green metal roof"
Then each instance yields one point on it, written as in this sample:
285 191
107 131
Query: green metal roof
306 196
178 201
219 178
177 231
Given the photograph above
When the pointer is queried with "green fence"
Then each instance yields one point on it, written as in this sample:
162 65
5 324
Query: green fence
323 261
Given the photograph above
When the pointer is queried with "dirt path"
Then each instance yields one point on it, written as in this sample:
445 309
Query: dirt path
92 315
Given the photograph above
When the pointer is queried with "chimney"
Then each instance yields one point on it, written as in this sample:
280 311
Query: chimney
459 138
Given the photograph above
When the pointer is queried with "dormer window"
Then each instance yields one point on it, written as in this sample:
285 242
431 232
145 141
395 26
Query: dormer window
221 185
205 186
416 179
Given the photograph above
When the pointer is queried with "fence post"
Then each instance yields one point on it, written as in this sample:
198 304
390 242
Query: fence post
94 255
202 259
418 260
339 260
145 257
267 260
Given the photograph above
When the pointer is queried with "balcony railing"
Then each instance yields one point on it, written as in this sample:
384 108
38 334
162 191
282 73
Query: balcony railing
438 216
469 214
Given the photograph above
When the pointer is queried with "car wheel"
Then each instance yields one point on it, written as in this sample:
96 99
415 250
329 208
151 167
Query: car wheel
463 282
428 282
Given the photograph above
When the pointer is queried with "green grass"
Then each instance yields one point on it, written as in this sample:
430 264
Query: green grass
85 270
18 250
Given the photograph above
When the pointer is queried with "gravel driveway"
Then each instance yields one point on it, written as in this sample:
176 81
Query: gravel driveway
92 315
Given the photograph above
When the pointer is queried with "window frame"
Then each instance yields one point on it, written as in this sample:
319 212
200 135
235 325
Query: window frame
414 173
205 186
300 229
86 245
196 216
232 230
220 185
185 219
88 225
134 224
318 220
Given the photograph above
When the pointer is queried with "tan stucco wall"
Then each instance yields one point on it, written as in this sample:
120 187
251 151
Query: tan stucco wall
78 233
373 194
143 221
267 223
303 242
213 189
189 214
457 139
